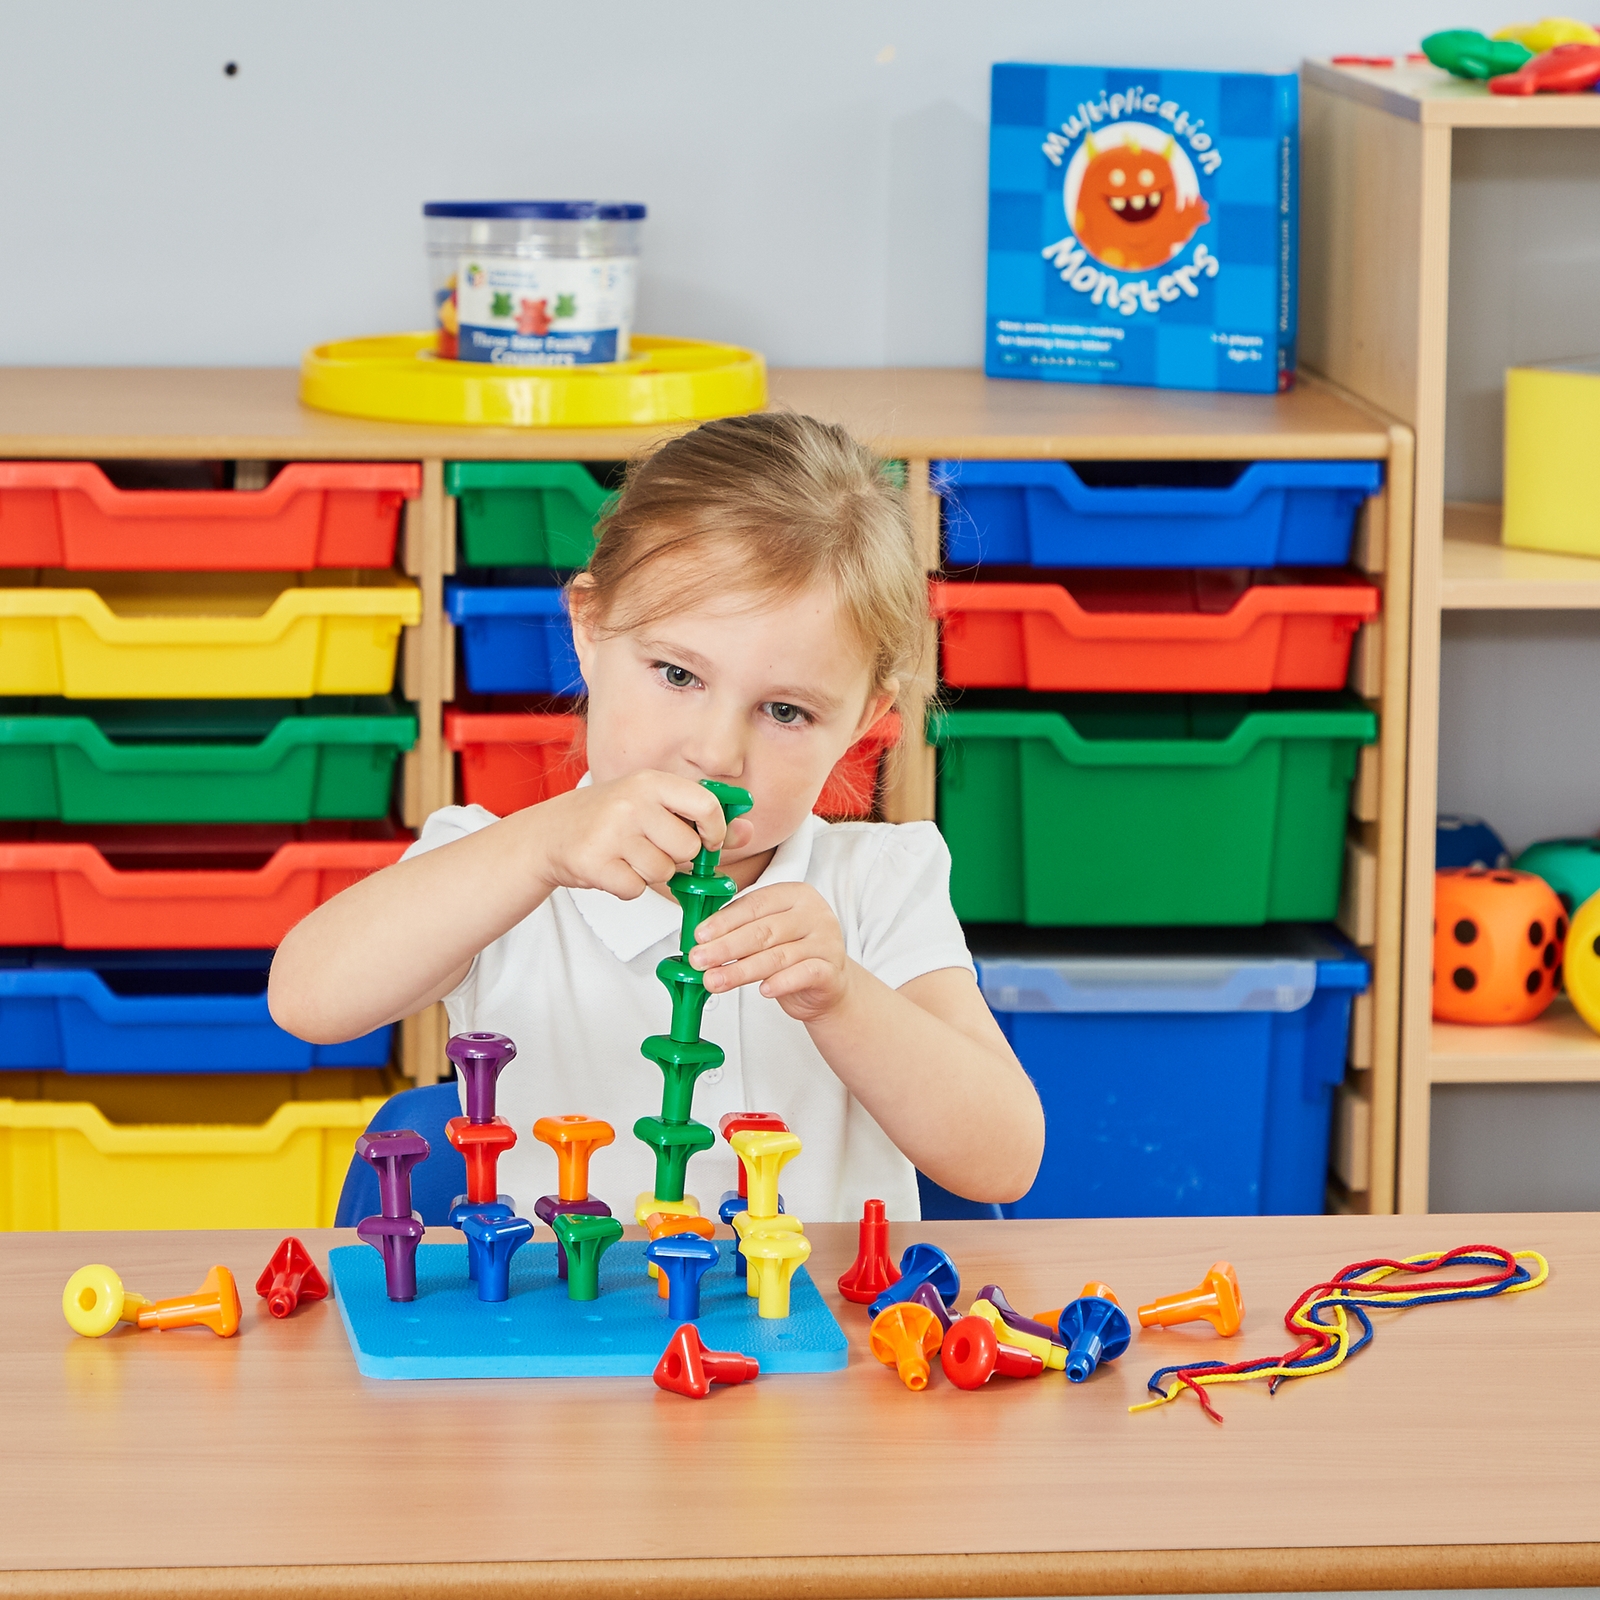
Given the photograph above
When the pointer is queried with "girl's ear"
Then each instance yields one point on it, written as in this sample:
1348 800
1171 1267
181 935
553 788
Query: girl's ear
877 703
580 607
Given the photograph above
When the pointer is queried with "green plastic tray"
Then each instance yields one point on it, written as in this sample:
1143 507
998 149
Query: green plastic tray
1148 809
200 760
525 513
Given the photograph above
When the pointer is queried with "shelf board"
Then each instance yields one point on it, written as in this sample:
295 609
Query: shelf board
1481 574
1558 1048
1423 93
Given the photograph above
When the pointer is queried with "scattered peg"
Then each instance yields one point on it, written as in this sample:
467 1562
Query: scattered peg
774 1258
549 1206
686 1367
574 1140
94 1301
1094 1328
972 1353
1216 1300
926 1295
214 1305
1039 1327
764 1154
586 1239
479 1059
873 1271
290 1277
683 1259
491 1243
757 1122
1049 1351
903 1336
921 1263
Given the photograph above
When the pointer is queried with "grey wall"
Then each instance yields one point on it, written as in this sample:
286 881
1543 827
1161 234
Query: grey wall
815 171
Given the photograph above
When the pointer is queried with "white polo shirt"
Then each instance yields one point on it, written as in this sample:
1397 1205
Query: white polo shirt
574 986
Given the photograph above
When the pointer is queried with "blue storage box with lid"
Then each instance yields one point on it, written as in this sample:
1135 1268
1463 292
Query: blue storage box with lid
1184 1072
1152 514
137 1011
515 640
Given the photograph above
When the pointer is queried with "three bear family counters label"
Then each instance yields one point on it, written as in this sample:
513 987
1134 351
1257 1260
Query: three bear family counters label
551 312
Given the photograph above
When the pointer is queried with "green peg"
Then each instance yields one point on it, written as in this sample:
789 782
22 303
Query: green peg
702 891
585 1239
688 990
673 1143
681 1062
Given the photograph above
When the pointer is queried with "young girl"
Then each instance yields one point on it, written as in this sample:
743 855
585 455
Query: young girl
753 606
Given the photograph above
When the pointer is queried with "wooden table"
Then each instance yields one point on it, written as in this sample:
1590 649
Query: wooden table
1460 1450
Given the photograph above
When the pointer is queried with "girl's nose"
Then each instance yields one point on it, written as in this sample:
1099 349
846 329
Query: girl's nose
717 747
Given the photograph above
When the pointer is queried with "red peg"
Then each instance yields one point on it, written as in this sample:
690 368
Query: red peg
290 1277
972 1354
482 1144
761 1122
686 1367
873 1271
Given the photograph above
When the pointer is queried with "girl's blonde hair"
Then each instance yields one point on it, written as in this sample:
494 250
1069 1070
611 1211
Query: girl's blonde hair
767 506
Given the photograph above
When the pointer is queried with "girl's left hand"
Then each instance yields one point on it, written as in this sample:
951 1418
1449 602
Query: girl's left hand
784 937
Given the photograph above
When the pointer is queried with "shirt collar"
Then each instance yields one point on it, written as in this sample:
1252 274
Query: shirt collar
627 928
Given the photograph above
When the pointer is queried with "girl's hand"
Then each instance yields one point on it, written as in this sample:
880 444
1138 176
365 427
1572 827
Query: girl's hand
624 836
787 939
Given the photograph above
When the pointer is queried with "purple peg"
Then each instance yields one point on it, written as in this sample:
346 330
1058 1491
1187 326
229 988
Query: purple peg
396 1240
928 1296
479 1059
550 1206
392 1155
996 1296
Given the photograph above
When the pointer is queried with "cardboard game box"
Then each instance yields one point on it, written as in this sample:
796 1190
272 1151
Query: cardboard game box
1143 227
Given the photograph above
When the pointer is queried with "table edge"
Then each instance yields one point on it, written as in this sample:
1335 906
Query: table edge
878 1577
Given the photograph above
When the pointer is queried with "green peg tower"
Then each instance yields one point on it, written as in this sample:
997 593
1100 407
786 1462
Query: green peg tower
682 1054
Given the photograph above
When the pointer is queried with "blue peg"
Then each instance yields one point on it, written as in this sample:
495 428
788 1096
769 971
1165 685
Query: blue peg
505 1206
1094 1328
491 1243
685 1258
919 1264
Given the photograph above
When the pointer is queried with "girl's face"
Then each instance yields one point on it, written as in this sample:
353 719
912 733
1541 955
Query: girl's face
765 696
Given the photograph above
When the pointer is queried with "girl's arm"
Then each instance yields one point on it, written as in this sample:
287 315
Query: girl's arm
401 939
928 1060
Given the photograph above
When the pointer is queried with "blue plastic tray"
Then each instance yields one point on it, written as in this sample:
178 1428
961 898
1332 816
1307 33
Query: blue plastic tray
514 640
1042 514
1183 1073
447 1332
127 1011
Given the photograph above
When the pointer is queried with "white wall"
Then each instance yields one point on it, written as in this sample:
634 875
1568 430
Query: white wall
815 172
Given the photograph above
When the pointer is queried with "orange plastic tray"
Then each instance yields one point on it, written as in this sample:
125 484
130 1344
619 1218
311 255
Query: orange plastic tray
313 514
171 888
1229 632
511 760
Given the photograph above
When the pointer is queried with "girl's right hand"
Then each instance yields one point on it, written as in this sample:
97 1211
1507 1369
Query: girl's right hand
626 835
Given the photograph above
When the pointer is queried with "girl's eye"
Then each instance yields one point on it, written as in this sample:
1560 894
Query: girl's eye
781 711
677 677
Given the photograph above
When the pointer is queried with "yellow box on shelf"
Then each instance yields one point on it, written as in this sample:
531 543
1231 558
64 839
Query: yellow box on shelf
201 635
64 1165
1552 466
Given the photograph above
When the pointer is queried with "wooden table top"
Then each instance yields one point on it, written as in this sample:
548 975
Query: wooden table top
253 413
1459 1450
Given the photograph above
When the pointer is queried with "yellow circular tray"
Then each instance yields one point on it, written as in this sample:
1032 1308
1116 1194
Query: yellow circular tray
397 378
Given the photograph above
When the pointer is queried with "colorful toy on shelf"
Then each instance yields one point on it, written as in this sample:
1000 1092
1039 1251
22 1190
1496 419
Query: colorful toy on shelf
1582 962
1548 32
1564 69
1049 1351
290 1277
903 1336
688 1368
1094 1328
682 1259
94 1302
973 1352
1467 842
480 1136
1325 1318
1570 866
1466 53
1216 1299
585 1239
1497 943
397 1231
919 1264
872 1271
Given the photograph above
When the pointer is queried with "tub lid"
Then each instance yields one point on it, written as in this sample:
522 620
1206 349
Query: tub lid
539 210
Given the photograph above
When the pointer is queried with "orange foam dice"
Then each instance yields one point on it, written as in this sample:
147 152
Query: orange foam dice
574 1138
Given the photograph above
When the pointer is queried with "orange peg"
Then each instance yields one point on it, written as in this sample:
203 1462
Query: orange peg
903 1336
659 1224
1217 1300
214 1305
574 1139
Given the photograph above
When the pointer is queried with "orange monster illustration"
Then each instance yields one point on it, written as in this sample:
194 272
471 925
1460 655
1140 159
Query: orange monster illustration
1128 214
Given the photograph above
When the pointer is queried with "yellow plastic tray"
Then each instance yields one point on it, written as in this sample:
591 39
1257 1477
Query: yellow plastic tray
63 1165
397 378
201 635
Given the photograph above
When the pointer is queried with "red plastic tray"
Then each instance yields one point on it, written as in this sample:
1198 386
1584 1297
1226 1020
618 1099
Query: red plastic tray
511 760
1230 632
313 514
171 888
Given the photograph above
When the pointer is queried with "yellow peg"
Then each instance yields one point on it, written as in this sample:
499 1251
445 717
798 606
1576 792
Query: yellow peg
773 1258
745 1226
765 1153
646 1204
1048 1351
94 1302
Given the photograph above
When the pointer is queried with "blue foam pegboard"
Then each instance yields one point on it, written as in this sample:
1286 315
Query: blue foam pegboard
447 1332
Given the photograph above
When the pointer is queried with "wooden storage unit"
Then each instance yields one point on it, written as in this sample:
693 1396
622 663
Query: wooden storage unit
1377 151
916 415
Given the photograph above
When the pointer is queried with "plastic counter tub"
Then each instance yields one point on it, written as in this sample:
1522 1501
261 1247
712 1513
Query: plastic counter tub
1084 809
154 1011
1181 1076
155 635
63 1165
1224 632
1153 514
514 640
200 760
525 513
312 514
212 888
